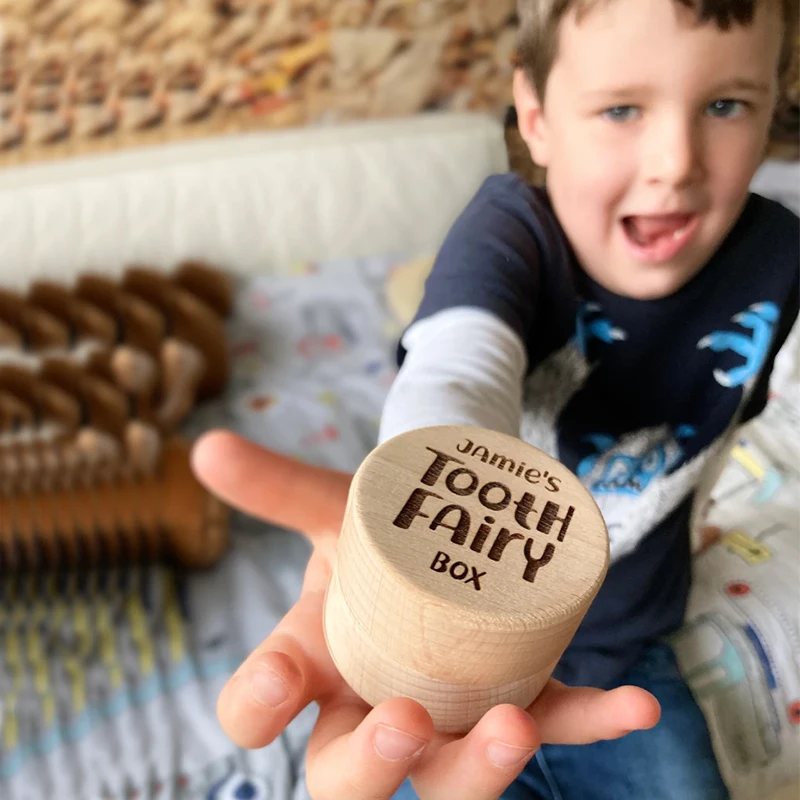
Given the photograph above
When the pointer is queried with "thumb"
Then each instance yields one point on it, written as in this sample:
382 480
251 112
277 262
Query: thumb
271 486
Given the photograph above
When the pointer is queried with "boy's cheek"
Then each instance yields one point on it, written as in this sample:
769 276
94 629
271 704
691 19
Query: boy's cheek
593 156
595 181
731 170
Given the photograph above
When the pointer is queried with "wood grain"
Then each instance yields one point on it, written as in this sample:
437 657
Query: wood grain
466 562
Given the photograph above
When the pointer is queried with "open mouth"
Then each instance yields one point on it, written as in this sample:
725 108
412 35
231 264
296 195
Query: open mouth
658 237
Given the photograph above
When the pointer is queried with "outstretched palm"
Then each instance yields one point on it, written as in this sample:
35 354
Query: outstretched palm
356 751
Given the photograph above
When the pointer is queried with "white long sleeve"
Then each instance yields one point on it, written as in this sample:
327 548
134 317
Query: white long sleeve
463 366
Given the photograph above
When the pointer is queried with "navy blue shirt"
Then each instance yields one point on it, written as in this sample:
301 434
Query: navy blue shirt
633 396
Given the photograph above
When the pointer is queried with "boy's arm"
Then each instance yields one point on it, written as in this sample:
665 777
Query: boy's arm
781 367
778 431
776 398
464 356
463 366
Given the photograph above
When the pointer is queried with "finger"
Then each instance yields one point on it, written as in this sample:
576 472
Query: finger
487 759
271 486
581 715
365 755
289 670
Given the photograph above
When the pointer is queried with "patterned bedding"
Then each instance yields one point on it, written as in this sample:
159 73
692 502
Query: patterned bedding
740 647
108 690
108 687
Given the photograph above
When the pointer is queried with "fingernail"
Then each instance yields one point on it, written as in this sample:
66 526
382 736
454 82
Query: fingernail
505 755
268 688
394 745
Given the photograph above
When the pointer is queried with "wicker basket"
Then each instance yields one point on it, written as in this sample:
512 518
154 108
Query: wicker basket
83 75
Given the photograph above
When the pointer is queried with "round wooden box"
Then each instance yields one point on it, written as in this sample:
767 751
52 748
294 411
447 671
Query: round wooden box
466 562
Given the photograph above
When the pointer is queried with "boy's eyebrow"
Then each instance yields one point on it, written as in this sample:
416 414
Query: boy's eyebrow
744 85
620 93
638 91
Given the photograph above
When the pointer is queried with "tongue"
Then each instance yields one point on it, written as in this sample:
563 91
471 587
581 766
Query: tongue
648 230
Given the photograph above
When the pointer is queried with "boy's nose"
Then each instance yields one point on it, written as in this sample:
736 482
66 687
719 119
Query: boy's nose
673 153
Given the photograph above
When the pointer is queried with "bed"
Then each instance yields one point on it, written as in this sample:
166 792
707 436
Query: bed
327 232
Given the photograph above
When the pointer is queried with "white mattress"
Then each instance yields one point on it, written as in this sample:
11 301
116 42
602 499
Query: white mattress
249 202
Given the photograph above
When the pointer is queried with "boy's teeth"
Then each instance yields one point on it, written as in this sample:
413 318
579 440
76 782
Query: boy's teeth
646 230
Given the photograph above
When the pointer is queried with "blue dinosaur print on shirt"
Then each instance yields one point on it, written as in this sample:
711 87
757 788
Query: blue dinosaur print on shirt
602 443
590 324
760 318
631 474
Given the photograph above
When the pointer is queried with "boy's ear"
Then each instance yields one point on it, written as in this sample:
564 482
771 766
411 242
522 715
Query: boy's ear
530 119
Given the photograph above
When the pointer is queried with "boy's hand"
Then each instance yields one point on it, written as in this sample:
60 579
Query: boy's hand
354 751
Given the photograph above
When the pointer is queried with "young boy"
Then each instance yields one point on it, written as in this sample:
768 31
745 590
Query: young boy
623 319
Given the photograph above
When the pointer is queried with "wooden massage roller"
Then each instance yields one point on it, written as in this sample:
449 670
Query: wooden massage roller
94 382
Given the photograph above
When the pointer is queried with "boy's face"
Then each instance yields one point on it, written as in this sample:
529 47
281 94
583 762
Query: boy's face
651 130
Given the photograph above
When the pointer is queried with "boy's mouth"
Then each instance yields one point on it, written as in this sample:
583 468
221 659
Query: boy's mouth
658 237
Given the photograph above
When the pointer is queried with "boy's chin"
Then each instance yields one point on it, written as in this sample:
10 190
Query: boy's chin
648 282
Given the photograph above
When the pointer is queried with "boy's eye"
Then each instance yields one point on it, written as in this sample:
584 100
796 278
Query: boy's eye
726 108
621 113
